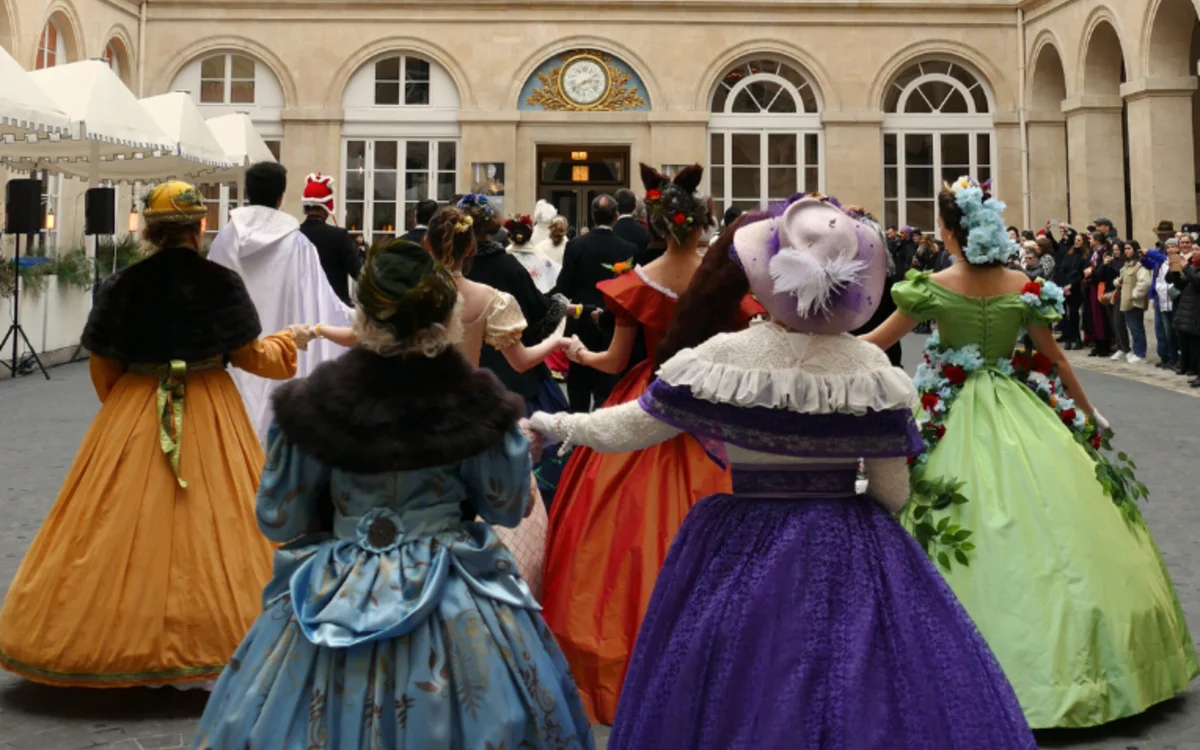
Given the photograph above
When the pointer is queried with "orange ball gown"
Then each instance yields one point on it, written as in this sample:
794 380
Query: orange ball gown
615 515
134 579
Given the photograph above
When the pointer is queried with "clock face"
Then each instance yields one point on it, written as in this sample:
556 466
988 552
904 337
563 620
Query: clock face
584 81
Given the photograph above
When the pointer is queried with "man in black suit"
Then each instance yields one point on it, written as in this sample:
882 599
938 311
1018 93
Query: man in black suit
340 257
583 268
629 229
421 218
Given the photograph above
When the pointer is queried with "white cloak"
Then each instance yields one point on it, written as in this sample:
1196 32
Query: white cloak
283 274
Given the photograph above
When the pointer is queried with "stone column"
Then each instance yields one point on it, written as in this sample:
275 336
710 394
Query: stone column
1047 168
312 142
1161 164
1096 158
854 158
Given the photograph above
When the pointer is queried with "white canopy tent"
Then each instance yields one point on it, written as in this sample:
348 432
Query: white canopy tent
26 113
198 151
118 139
242 144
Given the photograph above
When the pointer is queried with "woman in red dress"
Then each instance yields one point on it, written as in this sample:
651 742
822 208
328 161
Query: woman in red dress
618 512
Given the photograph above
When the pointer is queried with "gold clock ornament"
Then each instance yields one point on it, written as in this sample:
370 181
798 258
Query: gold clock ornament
586 81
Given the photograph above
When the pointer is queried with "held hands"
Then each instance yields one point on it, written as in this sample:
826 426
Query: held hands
1099 419
302 334
576 350
536 441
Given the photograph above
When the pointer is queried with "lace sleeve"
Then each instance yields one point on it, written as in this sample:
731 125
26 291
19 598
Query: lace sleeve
616 429
505 323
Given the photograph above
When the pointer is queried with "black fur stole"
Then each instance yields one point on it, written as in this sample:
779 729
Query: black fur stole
368 414
172 305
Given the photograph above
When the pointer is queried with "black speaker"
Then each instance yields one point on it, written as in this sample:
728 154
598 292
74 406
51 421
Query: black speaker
99 211
23 206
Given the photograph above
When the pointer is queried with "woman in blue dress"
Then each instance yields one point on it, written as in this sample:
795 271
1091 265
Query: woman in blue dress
394 620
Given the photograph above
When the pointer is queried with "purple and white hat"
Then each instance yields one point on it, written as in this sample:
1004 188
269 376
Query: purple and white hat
814 267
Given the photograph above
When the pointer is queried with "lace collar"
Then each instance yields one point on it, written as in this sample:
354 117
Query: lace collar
653 285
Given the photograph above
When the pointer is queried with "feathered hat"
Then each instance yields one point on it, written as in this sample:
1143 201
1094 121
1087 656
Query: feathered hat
814 266
318 191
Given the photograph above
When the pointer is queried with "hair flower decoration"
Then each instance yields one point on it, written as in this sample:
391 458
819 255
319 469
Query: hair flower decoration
479 202
983 218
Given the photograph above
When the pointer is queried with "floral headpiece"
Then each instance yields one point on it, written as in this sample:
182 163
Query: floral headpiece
983 218
511 224
672 205
480 203
520 229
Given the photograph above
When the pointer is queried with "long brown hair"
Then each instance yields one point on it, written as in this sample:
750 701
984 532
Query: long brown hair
710 304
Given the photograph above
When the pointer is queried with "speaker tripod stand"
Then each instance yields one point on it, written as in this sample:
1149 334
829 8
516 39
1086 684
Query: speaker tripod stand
15 331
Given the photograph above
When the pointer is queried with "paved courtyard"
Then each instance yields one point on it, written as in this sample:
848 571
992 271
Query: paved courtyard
41 424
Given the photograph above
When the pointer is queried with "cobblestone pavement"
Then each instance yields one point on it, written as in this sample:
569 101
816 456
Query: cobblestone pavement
41 424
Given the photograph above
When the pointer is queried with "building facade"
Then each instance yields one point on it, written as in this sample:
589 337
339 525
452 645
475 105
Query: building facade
1073 108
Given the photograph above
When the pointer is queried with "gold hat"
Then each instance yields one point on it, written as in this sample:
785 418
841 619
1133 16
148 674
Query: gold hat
173 201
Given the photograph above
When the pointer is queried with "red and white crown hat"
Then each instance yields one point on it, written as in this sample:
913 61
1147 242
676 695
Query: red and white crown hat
318 191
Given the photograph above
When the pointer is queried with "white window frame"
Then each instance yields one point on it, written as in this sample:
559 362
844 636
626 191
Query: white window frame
401 103
368 201
728 199
225 204
900 124
227 80
800 123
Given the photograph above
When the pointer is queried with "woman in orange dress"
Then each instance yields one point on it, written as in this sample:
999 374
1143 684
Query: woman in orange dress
150 567
617 513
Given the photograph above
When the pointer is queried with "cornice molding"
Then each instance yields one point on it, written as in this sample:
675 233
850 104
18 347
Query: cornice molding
1151 86
1092 103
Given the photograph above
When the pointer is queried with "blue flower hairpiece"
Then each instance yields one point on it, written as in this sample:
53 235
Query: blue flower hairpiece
987 235
479 202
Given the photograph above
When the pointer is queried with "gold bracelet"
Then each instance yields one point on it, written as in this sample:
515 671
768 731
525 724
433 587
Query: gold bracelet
317 331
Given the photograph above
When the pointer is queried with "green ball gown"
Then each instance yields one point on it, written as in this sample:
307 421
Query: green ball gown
1068 589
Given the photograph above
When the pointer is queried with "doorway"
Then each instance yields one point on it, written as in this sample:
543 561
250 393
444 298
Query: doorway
570 177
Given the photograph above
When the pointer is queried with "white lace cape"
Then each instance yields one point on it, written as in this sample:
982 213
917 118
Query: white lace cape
771 367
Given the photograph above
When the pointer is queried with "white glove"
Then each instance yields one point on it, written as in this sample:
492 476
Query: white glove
545 425
1099 419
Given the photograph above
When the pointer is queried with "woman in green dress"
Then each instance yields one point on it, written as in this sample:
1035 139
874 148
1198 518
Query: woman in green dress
1033 526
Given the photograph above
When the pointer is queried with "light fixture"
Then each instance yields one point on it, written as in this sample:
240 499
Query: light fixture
50 220
579 173
579 156
134 218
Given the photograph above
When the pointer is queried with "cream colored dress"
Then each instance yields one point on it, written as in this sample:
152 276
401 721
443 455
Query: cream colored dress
500 326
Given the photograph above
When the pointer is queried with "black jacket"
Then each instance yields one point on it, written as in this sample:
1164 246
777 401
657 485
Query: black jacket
1068 272
1187 307
340 258
628 229
583 268
493 266
416 234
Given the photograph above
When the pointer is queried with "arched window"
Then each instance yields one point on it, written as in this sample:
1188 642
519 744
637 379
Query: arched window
937 127
400 143
764 134
228 82
112 58
52 47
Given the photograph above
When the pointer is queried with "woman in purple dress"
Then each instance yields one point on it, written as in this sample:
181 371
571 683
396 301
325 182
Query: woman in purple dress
795 612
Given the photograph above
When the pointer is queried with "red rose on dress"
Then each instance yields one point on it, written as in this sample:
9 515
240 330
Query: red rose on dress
940 430
1021 362
1068 416
680 218
955 374
929 400
912 460
1042 363
1033 288
1096 440
653 195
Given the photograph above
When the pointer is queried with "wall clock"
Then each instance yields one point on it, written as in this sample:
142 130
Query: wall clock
584 81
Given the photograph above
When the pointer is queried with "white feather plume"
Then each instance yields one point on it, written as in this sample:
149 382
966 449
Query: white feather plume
813 280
